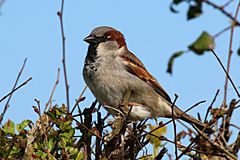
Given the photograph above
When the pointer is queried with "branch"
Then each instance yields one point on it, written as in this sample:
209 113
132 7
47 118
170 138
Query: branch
230 53
53 90
60 15
174 126
10 95
222 31
221 9
210 107
230 79
18 87
161 153
227 121
80 98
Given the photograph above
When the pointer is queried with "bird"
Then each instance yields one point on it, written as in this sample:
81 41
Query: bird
111 70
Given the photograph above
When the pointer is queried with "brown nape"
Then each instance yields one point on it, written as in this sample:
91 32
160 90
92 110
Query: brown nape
117 36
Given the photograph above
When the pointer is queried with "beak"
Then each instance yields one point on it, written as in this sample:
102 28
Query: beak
90 39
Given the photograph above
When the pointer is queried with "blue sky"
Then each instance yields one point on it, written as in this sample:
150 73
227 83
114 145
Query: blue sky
31 29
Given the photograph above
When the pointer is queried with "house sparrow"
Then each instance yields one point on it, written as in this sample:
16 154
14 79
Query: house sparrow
110 70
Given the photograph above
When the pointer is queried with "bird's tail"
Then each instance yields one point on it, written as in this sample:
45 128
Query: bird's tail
192 120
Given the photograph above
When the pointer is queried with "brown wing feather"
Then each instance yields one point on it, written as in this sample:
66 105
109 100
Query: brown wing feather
136 67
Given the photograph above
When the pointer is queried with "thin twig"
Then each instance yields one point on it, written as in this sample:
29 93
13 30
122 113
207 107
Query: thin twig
14 86
230 54
53 90
18 87
222 31
39 108
221 9
60 15
210 107
227 3
186 149
184 125
234 125
88 129
174 126
79 99
43 126
230 79
161 153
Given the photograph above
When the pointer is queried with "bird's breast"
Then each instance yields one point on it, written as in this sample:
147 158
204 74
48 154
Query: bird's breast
106 80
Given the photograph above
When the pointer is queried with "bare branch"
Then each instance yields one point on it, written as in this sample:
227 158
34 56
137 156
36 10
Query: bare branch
14 86
230 79
230 54
210 107
222 31
221 9
79 99
60 15
174 126
18 87
53 90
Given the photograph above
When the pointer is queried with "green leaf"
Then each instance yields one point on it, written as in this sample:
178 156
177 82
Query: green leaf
68 135
9 127
51 143
158 132
65 125
171 60
156 142
62 143
22 125
41 154
194 12
203 43
81 155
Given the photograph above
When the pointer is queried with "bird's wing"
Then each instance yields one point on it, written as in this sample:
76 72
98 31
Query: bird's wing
135 66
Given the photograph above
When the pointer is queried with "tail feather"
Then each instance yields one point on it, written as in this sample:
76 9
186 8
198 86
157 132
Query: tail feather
193 120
